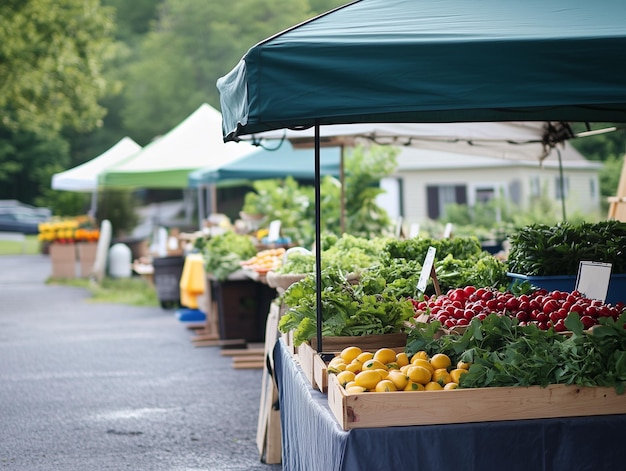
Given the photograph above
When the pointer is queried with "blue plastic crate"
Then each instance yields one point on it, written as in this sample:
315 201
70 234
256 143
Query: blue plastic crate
615 294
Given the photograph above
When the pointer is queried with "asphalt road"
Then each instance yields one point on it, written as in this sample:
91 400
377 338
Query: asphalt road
87 386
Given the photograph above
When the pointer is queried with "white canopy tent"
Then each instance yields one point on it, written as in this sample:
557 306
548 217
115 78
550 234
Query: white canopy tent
84 177
166 162
196 143
530 141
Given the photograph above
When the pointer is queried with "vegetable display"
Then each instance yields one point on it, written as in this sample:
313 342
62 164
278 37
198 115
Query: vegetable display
347 253
345 310
541 250
224 252
503 353
539 307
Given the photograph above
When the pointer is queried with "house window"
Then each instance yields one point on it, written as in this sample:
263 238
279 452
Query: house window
484 195
535 187
592 187
561 191
438 196
515 191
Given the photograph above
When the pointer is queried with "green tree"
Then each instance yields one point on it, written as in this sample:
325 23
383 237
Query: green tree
27 162
364 169
192 44
51 58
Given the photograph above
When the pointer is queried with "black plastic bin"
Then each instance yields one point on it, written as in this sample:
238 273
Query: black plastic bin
167 273
242 307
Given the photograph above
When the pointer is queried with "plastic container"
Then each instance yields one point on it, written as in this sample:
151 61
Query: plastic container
615 294
120 263
167 273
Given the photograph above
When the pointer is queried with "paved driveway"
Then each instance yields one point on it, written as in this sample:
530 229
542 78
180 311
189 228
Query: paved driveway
87 386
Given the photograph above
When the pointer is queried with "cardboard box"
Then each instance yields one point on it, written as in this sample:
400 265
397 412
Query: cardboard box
87 257
63 258
400 408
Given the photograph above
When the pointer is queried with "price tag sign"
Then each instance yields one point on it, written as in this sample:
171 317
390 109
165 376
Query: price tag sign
426 269
447 231
399 227
593 279
415 231
274 231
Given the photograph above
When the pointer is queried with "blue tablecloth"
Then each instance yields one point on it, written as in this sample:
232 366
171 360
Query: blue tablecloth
312 439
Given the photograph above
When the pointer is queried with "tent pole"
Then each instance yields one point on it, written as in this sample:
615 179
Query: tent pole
213 190
94 203
342 177
318 239
562 184
200 207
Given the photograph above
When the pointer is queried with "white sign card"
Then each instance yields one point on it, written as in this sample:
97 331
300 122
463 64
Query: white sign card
414 231
274 231
399 227
427 267
593 279
447 231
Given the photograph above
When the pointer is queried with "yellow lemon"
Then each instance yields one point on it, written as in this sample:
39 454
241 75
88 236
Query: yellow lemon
451 386
345 377
420 355
355 366
373 365
398 378
367 379
336 360
442 376
463 365
355 389
385 386
456 374
411 386
433 386
336 368
384 372
385 355
350 353
440 360
363 357
419 374
402 359
423 363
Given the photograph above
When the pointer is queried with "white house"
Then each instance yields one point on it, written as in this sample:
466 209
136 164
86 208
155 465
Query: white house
426 181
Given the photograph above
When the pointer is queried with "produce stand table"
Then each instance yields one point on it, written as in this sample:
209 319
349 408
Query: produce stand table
242 307
313 440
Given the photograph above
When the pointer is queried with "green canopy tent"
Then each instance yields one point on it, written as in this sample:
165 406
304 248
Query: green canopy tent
393 61
281 161
284 160
446 61
165 163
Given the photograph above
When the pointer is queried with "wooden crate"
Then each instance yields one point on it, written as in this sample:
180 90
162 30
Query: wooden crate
315 368
305 355
389 409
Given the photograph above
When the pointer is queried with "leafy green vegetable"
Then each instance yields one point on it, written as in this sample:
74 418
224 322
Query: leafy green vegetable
504 353
541 250
222 254
348 253
345 311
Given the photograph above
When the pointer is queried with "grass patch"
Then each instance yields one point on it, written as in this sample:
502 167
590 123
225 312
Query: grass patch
130 291
29 246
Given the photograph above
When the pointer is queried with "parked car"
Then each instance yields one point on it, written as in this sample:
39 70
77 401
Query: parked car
20 217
